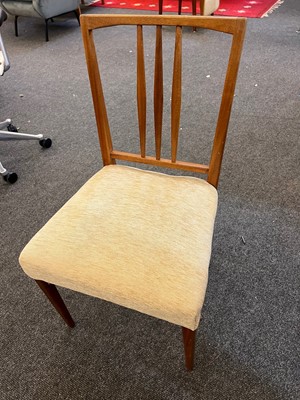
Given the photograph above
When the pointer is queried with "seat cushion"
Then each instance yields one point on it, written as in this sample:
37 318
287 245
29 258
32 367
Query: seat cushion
136 238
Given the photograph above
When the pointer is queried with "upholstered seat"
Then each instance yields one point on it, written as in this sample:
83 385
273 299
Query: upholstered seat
118 238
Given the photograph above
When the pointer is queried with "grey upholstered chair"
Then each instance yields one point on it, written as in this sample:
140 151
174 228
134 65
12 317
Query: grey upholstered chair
46 9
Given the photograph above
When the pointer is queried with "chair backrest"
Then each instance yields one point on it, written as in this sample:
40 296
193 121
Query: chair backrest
232 26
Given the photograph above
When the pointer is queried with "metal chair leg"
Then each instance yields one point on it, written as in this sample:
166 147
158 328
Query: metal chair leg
77 14
46 30
16 25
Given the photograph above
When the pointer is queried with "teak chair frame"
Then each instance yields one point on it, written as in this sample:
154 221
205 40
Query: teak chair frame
233 26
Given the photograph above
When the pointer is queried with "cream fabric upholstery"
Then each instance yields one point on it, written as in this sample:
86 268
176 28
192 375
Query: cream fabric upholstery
210 6
136 238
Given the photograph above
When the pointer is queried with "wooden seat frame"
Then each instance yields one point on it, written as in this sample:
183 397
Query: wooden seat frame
232 26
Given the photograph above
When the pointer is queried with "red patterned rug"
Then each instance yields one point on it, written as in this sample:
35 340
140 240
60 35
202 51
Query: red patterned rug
233 8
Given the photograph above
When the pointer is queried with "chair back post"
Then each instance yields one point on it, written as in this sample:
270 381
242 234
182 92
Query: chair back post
97 93
226 104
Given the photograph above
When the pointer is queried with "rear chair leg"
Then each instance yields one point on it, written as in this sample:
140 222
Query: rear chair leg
189 339
54 297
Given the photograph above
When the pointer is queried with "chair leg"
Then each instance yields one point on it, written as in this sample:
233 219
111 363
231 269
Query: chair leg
194 12
16 25
46 30
179 7
194 7
160 6
202 7
189 339
55 299
77 14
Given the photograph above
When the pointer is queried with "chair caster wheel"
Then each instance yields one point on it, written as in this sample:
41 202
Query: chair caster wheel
12 128
10 177
45 143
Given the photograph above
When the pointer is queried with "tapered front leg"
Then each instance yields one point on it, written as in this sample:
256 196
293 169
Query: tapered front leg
189 340
54 297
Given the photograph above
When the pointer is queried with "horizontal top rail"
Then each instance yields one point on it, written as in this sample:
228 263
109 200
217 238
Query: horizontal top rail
220 24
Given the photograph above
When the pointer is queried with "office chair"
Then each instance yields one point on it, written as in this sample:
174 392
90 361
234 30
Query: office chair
139 238
12 132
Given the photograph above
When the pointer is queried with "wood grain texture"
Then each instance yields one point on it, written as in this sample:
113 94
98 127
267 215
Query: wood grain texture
141 90
221 24
97 93
226 104
166 163
233 26
176 93
158 92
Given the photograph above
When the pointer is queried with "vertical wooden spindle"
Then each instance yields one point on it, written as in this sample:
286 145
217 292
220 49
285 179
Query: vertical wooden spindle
176 93
158 92
141 90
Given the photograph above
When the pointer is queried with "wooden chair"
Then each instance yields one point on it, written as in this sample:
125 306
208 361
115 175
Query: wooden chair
138 238
207 7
